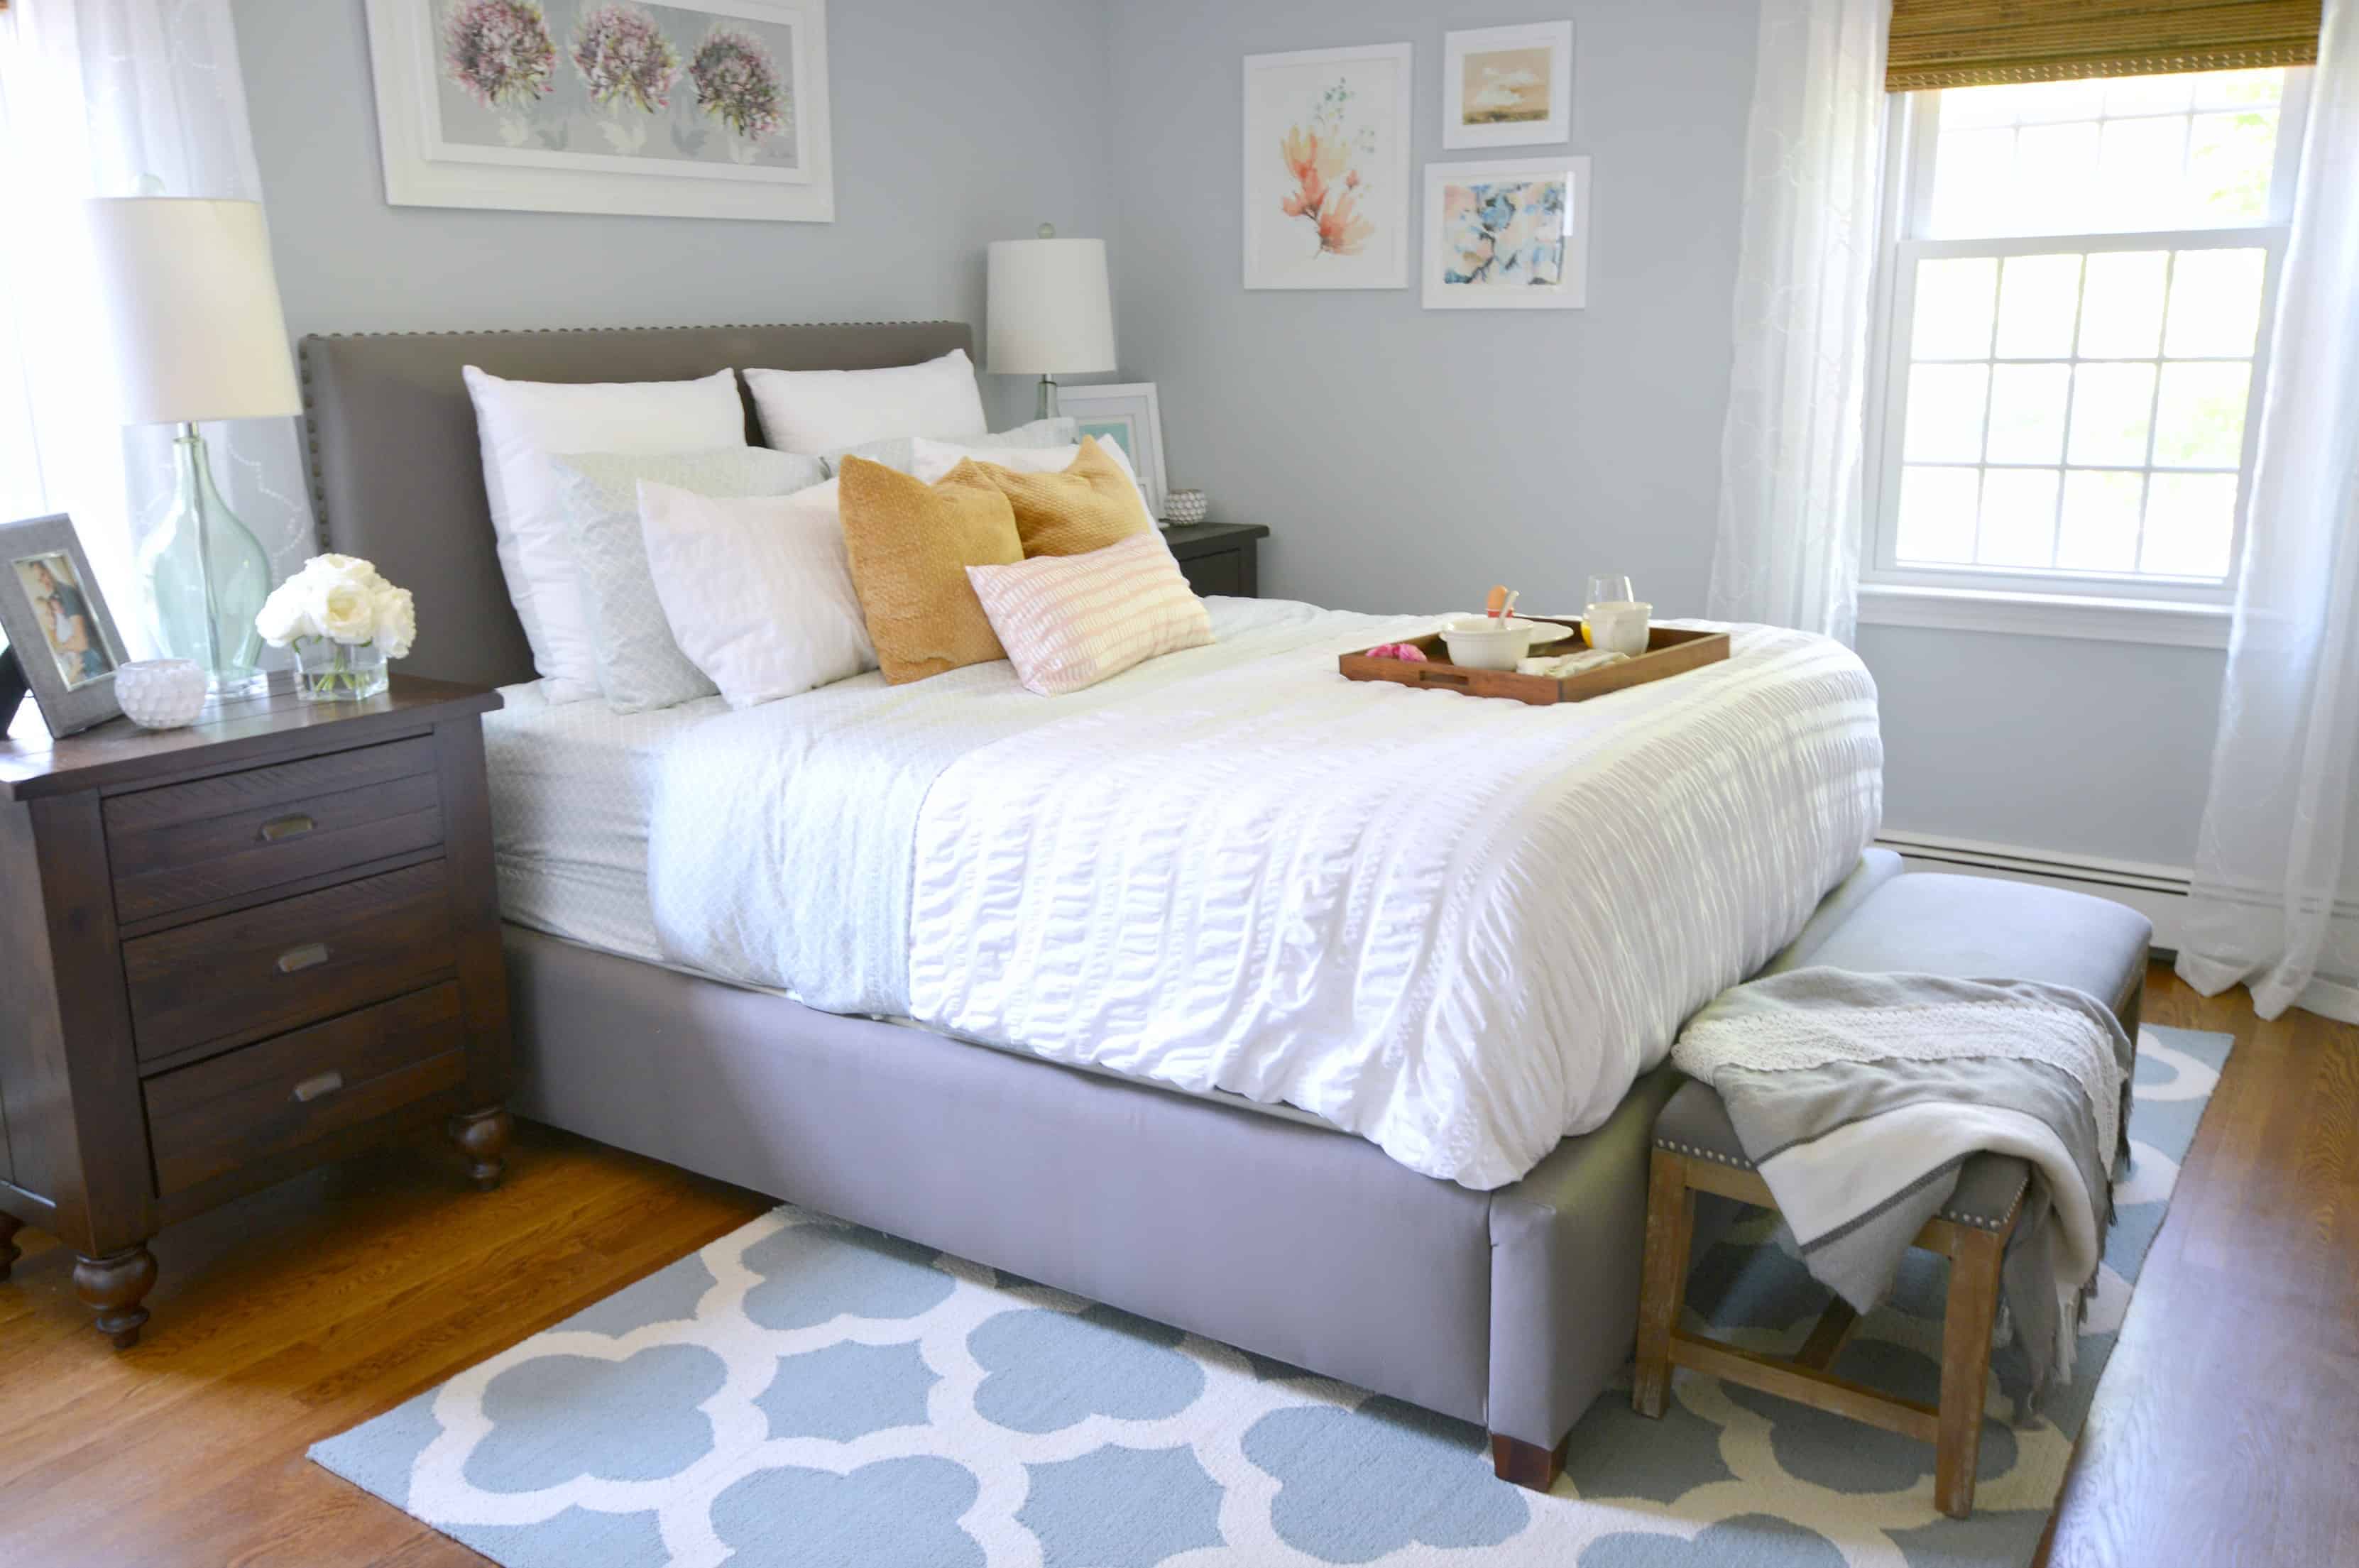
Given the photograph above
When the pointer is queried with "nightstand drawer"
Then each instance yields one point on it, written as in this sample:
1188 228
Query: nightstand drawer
282 964
187 844
284 1092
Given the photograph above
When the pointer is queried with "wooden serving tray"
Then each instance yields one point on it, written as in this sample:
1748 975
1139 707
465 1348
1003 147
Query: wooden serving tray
1670 651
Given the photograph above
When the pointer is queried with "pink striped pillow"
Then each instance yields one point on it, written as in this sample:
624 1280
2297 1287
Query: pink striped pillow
1070 621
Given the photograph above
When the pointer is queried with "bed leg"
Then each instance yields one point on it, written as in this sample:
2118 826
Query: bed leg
1524 1464
1670 1232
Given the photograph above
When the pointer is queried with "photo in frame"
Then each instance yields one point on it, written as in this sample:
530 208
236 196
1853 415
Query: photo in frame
1126 415
57 624
1507 86
684 108
1326 169
1506 235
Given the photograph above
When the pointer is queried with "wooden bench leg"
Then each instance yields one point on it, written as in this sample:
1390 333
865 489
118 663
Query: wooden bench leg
1670 1228
1524 1464
1965 1366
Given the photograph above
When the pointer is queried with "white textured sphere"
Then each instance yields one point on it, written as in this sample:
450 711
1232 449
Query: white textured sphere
161 693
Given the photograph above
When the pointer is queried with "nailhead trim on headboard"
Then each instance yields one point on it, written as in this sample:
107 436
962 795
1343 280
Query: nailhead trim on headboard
310 427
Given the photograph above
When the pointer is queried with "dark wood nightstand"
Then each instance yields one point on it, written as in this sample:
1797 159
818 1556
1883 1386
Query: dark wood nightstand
235 951
1219 557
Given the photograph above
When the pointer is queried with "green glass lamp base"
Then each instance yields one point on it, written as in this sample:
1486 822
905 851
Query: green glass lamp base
207 577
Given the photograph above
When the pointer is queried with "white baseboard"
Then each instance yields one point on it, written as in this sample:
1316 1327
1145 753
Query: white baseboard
2157 892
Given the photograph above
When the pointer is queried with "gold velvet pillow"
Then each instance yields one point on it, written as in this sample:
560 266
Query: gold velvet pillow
1093 503
910 544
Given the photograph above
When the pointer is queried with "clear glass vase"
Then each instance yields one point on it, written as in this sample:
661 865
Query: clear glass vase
330 671
207 577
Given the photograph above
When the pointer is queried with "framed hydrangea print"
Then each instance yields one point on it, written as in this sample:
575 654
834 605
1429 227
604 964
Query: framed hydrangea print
1510 235
689 108
1326 172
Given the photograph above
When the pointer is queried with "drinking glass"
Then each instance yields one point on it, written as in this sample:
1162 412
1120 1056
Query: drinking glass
1609 588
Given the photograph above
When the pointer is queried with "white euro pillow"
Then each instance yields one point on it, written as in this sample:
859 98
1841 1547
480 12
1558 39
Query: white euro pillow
818 411
521 425
758 588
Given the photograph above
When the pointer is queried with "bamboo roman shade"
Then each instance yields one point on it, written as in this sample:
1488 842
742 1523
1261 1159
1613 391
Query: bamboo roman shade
1976 43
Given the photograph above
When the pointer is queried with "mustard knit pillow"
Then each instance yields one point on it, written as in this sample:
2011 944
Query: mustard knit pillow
1093 503
910 544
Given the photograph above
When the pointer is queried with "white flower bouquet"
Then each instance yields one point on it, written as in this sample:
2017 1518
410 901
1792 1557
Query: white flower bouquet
343 621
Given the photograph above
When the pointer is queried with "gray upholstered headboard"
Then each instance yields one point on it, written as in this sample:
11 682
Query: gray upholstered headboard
398 474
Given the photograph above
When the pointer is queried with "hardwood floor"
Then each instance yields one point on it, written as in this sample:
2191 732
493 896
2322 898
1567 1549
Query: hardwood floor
2222 1434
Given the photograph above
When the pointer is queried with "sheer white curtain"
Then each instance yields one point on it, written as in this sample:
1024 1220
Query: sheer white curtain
1791 495
2277 871
117 98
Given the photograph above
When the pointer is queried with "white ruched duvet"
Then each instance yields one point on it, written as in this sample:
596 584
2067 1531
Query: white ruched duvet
1459 927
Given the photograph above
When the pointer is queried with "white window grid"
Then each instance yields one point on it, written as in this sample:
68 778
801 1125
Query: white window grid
1912 137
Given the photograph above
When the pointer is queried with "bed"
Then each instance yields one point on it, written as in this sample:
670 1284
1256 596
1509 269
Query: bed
1505 1297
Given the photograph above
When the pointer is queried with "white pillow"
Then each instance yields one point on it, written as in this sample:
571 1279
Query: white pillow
930 460
522 423
821 411
758 588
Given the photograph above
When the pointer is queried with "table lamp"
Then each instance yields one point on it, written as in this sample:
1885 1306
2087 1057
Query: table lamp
1050 311
188 291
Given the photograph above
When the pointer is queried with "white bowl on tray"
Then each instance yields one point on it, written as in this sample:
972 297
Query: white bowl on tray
1482 642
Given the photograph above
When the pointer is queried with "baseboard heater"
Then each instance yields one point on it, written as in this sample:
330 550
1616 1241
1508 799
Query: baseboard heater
2157 892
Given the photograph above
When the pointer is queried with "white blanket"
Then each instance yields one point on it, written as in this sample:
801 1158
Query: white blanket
1459 927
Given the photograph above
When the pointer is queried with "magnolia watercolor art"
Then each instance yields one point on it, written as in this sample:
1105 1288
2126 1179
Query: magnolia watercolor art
1326 169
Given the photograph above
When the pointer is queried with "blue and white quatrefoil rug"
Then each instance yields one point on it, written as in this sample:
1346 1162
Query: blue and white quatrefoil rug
803 1394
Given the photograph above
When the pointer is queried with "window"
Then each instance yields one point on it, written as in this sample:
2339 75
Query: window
2078 278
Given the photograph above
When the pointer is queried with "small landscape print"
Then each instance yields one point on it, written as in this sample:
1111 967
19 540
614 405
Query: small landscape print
596 83
61 609
1504 234
1505 87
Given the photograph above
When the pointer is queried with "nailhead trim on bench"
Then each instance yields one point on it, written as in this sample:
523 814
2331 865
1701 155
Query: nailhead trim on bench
1980 1222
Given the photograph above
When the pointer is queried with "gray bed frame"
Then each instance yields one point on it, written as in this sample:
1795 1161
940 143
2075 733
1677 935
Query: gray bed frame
1510 1308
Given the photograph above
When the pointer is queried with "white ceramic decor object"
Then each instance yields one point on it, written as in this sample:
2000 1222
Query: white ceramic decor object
161 693
1479 642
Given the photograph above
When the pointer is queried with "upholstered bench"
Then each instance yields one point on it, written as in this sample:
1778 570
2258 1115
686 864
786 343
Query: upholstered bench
1966 927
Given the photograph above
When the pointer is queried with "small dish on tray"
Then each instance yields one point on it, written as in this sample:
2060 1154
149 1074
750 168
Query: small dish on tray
1485 642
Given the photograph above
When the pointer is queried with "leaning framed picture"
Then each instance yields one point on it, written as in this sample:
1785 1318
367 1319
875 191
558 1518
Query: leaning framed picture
686 109
1507 86
56 621
1326 170
1508 235
1125 415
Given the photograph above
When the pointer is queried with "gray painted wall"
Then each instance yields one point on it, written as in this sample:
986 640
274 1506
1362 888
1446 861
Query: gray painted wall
1406 460
954 125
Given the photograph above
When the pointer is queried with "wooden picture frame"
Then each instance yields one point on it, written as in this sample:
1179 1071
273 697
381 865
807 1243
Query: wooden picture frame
537 132
57 622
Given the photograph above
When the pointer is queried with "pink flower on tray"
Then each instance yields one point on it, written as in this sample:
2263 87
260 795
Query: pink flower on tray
500 51
1409 652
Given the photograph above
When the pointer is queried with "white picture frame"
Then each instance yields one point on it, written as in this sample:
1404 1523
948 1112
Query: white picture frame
1328 130
549 139
1455 232
1129 414
1487 97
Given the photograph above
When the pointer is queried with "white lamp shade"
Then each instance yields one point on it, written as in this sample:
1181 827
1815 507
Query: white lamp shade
1051 311
191 303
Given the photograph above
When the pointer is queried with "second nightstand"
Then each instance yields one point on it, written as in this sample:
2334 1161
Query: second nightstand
235 951
1219 557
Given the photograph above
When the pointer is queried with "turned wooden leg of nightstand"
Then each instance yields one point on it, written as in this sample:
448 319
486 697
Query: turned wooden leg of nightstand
9 1225
482 1136
113 1287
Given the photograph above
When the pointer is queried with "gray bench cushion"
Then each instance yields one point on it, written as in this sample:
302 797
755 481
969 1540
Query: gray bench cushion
1973 928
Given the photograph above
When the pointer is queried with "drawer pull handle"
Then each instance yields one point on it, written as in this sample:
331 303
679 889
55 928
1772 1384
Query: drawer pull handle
312 1088
310 956
280 828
